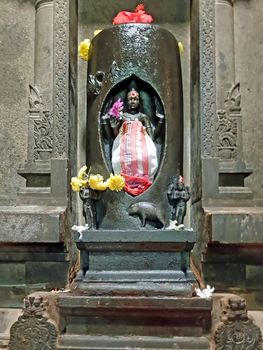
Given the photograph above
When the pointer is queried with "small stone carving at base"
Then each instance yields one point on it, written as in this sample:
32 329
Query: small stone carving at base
89 197
178 194
236 330
33 329
147 211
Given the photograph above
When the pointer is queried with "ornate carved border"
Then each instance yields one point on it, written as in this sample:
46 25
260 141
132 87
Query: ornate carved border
207 76
61 71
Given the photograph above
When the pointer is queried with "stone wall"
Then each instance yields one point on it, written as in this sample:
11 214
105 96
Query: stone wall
249 67
16 71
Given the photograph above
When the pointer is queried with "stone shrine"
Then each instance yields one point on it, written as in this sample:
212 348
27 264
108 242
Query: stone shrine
201 111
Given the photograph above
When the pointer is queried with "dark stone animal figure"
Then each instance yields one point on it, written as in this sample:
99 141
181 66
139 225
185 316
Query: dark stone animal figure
147 211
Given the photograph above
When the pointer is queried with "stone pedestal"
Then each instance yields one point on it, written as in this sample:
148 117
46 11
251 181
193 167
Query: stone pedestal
134 291
112 322
134 262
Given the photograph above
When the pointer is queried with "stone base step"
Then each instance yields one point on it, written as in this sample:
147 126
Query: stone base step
86 342
4 341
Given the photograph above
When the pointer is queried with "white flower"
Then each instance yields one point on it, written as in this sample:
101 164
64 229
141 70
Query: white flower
79 229
205 293
173 225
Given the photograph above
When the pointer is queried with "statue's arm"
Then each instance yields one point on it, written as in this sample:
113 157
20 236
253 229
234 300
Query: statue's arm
106 127
187 193
159 126
160 119
147 124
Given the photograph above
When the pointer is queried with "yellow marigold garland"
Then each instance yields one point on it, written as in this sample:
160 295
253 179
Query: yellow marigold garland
116 182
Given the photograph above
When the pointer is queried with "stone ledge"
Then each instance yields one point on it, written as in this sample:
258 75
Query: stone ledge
235 225
68 300
142 236
31 224
132 342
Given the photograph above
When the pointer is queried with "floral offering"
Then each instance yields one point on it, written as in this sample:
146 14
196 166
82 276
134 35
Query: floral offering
84 48
138 16
96 182
116 109
116 182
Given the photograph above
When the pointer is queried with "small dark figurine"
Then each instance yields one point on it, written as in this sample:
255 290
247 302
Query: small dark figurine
178 194
89 196
95 83
147 211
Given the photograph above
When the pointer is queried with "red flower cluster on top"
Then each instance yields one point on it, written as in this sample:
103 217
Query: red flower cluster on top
138 16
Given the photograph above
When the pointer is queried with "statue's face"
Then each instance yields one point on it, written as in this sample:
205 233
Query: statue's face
133 101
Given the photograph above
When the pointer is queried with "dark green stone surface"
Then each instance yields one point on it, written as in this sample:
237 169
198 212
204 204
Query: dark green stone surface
133 322
135 262
29 267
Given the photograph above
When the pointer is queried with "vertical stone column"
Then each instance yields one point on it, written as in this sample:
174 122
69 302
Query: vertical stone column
61 78
60 154
40 119
232 168
207 77
44 50
224 50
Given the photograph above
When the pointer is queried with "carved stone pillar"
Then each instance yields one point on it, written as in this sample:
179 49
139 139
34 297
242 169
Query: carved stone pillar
50 101
44 50
40 119
232 168
224 49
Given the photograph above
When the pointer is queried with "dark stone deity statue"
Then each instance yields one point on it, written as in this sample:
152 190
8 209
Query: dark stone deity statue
89 198
178 194
135 122
133 154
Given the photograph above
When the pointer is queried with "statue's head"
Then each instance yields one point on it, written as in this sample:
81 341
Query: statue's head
179 183
133 100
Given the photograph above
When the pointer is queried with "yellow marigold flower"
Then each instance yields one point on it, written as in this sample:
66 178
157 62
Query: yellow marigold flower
116 182
96 32
101 186
96 182
75 184
181 47
84 47
82 172
84 183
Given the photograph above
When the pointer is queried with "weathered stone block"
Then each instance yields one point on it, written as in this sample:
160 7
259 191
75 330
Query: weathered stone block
254 277
236 225
12 273
135 316
46 272
222 276
134 261
31 224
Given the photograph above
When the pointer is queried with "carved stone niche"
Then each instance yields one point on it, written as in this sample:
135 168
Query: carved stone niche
232 167
236 330
126 249
145 57
37 168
